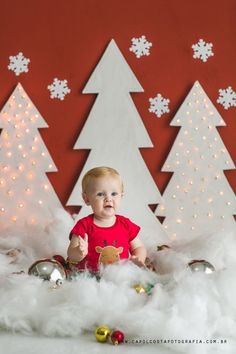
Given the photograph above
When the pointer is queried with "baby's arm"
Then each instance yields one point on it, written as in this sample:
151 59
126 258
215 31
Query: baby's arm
138 252
78 248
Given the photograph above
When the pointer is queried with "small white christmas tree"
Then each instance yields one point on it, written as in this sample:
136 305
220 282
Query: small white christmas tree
114 132
26 195
198 199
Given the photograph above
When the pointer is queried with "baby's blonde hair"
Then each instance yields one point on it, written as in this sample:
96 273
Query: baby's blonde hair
96 172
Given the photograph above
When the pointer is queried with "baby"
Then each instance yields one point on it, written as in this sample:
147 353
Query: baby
104 237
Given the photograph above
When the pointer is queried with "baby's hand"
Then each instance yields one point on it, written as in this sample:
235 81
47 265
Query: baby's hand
137 261
83 246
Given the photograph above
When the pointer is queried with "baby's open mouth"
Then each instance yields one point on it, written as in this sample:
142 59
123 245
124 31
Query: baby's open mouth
108 206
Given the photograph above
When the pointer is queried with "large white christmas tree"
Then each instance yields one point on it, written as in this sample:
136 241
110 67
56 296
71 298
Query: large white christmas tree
114 132
26 195
198 199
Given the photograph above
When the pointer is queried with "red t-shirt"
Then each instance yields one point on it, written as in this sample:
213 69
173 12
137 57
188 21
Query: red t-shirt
106 245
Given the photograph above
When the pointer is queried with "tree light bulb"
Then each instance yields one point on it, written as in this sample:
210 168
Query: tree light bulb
2 182
20 167
30 175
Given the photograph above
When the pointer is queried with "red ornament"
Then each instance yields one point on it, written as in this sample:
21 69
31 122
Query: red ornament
117 337
59 259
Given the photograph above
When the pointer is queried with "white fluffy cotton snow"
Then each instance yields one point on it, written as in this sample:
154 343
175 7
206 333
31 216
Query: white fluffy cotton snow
182 306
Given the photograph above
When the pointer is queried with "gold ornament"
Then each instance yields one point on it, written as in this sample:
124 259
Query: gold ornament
102 333
139 288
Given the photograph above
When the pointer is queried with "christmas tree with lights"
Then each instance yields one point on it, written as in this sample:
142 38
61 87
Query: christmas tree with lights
198 199
114 132
26 195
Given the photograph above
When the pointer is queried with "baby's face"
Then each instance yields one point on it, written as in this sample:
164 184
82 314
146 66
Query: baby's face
104 195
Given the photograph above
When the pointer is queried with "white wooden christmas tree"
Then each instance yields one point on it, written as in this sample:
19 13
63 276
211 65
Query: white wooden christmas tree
26 195
114 132
198 199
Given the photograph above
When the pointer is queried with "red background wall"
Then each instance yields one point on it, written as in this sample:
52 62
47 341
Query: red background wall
66 38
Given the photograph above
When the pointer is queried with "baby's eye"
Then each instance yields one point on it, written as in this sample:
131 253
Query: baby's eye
100 194
114 194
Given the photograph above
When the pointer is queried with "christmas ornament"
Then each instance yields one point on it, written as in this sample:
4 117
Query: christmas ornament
48 269
60 259
163 248
102 333
201 266
117 337
149 288
139 288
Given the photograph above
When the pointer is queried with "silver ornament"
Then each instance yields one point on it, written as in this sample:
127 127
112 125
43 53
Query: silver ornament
48 269
201 266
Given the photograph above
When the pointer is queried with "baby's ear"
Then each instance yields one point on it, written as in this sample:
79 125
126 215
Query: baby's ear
85 198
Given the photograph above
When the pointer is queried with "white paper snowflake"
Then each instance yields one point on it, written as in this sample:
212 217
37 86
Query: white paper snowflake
140 46
18 64
202 50
58 89
227 97
159 105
